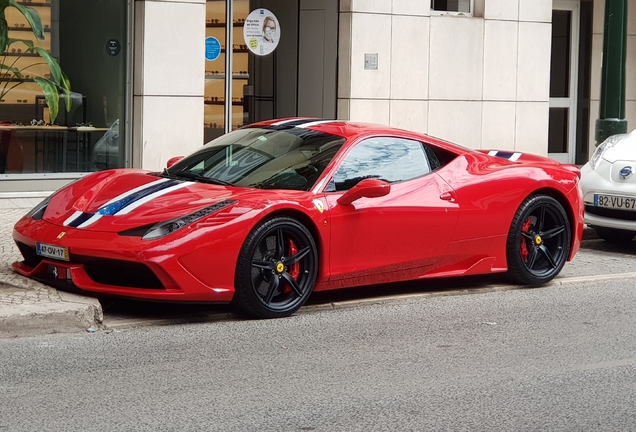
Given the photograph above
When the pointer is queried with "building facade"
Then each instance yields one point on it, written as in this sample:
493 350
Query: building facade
152 79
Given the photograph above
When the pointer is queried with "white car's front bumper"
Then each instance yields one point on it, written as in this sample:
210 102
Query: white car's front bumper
605 180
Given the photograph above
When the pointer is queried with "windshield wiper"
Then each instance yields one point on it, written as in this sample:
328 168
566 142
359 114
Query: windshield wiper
200 178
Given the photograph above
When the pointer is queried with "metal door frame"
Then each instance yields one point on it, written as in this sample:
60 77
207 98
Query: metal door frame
574 6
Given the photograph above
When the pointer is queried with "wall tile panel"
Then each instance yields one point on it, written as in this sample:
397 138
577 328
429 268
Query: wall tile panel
173 63
500 60
532 127
535 44
409 114
456 58
409 57
456 121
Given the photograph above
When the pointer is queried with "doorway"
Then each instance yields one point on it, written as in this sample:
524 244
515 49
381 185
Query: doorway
294 76
570 81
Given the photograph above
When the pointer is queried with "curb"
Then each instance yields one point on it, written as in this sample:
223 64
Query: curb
74 313
35 320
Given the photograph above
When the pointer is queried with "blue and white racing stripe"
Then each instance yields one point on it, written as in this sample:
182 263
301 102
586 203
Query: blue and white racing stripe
301 122
126 202
513 156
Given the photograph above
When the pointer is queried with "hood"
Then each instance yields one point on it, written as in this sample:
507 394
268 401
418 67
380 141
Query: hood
119 200
623 150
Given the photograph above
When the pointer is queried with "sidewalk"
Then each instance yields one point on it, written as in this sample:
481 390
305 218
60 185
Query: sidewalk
30 308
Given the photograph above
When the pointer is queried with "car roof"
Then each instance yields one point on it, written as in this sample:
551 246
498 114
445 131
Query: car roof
352 130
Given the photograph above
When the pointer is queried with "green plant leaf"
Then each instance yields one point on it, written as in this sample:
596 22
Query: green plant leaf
4 33
32 16
51 95
27 42
17 72
56 71
65 83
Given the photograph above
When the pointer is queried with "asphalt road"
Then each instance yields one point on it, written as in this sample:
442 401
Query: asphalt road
555 358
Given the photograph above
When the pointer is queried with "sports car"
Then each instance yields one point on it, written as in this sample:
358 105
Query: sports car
267 214
609 189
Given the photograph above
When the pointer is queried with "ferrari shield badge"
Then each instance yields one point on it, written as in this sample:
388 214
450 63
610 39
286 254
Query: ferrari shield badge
60 235
319 205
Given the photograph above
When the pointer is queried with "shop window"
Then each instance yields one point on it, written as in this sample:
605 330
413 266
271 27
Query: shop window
457 6
62 86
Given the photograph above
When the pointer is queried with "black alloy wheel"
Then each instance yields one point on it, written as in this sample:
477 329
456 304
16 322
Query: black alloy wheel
539 241
277 269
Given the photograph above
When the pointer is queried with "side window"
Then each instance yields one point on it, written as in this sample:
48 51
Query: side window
460 6
389 159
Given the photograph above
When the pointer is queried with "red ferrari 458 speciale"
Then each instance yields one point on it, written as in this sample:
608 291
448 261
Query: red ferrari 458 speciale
266 214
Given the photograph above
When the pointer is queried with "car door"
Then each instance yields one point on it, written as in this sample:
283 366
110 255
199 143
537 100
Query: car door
406 231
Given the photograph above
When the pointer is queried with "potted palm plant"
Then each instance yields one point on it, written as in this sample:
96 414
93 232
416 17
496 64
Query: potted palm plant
52 84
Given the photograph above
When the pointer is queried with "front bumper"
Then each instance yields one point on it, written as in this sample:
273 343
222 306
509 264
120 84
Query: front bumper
600 181
110 264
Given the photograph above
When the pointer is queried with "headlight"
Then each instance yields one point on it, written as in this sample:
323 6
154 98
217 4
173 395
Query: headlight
37 212
162 229
601 149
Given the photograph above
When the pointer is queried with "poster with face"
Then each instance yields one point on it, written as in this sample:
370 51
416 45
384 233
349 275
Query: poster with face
261 32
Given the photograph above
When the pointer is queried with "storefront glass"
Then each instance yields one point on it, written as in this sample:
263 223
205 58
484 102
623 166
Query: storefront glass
88 40
282 57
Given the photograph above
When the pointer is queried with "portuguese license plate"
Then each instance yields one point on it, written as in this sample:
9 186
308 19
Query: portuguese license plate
52 251
615 202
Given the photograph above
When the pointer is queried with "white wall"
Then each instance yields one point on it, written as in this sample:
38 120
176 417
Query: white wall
481 81
168 80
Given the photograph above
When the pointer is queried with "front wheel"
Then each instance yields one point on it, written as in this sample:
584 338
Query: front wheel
277 268
538 241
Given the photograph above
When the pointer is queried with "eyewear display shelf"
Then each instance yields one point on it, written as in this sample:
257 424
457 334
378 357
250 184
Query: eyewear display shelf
52 152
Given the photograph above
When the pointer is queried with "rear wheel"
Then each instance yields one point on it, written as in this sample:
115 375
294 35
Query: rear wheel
539 241
615 235
276 269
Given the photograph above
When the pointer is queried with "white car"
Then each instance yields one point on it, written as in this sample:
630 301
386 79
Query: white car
608 183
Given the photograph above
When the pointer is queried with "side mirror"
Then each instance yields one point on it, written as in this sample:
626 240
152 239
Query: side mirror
368 188
173 161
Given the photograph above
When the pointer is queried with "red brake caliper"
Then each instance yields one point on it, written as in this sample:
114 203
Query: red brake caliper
294 269
524 249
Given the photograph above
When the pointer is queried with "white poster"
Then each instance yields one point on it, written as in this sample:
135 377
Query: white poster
261 32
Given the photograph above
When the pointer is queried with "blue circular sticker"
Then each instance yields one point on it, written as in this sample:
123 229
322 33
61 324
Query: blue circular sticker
212 48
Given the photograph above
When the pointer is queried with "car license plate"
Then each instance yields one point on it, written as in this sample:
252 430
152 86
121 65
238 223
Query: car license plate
615 202
51 251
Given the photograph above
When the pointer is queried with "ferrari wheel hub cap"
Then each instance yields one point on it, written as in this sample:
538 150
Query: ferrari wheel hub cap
280 267
538 240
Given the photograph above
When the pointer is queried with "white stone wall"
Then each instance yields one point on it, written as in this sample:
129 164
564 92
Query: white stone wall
168 80
480 81
630 85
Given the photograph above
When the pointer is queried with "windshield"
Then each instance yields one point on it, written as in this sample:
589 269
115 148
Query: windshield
261 158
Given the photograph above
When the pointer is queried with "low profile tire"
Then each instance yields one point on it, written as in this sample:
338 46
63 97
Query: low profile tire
539 241
617 236
276 270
